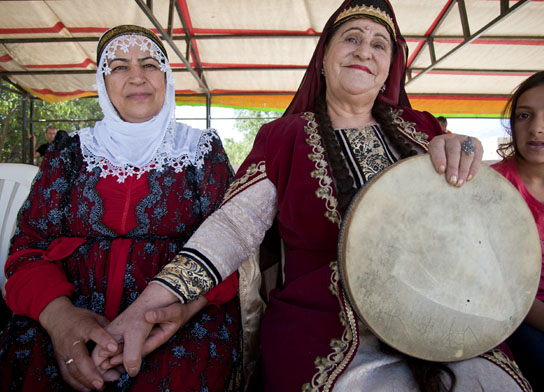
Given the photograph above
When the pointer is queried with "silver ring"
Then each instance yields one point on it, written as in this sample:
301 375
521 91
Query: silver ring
69 361
468 146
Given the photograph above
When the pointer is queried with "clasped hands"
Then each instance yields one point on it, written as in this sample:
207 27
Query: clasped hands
120 345
146 325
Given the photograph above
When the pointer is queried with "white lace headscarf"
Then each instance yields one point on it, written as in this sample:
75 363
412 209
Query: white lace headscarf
122 148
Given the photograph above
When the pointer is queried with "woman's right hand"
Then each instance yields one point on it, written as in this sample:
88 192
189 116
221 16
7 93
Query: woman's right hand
70 328
144 326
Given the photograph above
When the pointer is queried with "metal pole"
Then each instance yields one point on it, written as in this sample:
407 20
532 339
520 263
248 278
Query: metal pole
208 111
25 127
31 147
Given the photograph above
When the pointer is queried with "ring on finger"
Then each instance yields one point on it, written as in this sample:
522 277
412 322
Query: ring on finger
69 361
468 146
76 342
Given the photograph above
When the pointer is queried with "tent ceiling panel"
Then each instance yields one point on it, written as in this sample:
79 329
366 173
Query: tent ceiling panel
527 21
36 19
415 17
44 83
498 57
185 83
254 81
100 15
45 55
259 15
463 84
257 51
47 47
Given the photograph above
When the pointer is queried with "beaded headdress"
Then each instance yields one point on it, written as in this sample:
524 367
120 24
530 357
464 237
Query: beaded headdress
374 9
118 31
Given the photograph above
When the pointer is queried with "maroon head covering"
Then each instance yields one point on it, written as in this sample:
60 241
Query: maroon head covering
312 83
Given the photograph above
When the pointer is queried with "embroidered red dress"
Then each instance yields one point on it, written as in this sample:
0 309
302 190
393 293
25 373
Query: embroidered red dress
99 242
310 335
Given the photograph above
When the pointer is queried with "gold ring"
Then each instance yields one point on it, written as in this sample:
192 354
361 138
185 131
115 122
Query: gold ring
69 361
76 342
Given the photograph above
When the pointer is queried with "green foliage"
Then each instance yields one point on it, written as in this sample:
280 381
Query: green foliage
248 123
81 112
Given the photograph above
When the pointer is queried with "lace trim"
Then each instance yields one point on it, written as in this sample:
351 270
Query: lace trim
501 360
325 190
161 160
237 186
343 349
408 128
124 42
188 276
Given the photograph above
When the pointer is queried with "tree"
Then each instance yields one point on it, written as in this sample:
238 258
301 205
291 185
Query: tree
67 115
248 122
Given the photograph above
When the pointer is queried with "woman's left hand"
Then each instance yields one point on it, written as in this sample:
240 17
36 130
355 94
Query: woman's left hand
458 156
70 328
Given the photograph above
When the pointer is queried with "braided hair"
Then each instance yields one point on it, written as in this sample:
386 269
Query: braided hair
345 186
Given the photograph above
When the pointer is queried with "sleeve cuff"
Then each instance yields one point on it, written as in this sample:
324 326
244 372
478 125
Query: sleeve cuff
189 275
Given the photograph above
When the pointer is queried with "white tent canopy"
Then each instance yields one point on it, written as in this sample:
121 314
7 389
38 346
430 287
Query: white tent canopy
466 56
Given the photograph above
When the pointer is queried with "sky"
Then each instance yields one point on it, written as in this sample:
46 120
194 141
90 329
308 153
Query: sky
487 130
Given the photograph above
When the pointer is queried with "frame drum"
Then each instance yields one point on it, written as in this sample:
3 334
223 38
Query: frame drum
438 272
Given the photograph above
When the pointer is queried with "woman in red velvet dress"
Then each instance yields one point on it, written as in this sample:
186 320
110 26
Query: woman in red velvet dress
110 206
349 120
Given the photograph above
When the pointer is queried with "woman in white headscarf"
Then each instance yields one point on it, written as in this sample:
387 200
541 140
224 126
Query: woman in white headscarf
110 206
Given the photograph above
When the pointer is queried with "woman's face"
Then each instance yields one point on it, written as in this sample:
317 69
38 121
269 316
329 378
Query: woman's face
529 124
357 59
136 85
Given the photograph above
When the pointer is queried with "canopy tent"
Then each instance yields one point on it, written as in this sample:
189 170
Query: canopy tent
466 56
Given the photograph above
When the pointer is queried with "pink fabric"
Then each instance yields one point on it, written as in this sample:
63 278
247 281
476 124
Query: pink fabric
508 169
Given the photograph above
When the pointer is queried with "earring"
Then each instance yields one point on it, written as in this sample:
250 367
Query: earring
323 71
382 89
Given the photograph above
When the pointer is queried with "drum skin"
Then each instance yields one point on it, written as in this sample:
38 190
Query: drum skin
438 272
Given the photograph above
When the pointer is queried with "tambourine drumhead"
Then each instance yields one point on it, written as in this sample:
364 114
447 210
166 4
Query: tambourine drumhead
438 272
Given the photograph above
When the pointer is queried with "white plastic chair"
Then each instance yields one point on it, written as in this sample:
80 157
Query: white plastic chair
15 182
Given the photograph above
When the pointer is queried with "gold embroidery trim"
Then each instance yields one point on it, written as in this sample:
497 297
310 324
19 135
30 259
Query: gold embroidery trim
501 360
370 11
343 349
237 186
325 190
187 278
408 128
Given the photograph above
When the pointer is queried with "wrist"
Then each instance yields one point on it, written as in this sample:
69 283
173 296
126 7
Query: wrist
52 310
156 295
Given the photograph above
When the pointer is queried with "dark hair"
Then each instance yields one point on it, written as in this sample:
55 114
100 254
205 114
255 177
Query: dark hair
345 186
442 120
61 134
510 149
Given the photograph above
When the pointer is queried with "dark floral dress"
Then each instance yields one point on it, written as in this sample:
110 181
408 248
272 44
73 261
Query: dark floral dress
123 234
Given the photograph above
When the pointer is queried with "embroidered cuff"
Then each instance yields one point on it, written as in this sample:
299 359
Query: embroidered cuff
189 275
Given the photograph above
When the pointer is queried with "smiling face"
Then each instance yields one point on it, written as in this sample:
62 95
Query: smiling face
357 60
136 86
529 124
